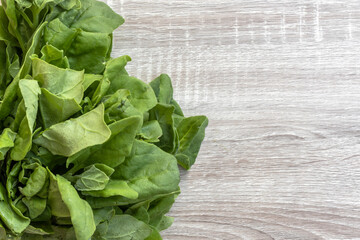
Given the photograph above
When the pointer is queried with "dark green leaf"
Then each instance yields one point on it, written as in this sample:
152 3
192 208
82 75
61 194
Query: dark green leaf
191 134
164 115
163 89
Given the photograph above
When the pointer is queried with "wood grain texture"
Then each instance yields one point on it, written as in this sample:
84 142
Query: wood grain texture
280 83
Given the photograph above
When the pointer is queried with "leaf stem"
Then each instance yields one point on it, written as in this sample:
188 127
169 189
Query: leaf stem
20 39
35 12
27 19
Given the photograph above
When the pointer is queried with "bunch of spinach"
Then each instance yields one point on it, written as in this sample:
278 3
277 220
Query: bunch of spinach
86 151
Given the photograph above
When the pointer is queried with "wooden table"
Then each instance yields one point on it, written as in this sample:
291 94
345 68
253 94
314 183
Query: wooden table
280 83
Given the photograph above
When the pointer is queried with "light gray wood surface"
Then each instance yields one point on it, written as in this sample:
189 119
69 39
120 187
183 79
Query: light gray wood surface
280 83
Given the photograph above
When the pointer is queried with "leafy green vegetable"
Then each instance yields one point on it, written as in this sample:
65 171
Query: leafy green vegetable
86 150
92 179
7 139
81 213
74 135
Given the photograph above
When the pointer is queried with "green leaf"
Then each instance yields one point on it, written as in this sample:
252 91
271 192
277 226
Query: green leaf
55 201
191 134
151 131
126 227
35 205
2 232
103 214
155 235
118 106
163 89
100 91
85 50
103 167
65 83
7 139
11 91
4 33
10 55
15 222
164 115
114 68
142 96
11 181
29 90
140 213
35 183
81 213
24 3
150 171
92 179
158 209
112 152
3 67
39 229
165 223
10 10
89 51
56 109
54 56
59 35
93 16
115 188
74 135
90 79
14 67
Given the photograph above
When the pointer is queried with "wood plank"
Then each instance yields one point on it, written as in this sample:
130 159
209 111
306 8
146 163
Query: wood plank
279 81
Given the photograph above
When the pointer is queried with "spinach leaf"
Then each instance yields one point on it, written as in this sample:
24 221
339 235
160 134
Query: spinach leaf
64 83
35 183
93 16
81 213
7 139
115 188
36 206
15 221
55 109
163 89
125 227
191 133
29 90
112 152
150 171
54 56
74 135
151 131
163 114
142 96
4 23
11 91
92 179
